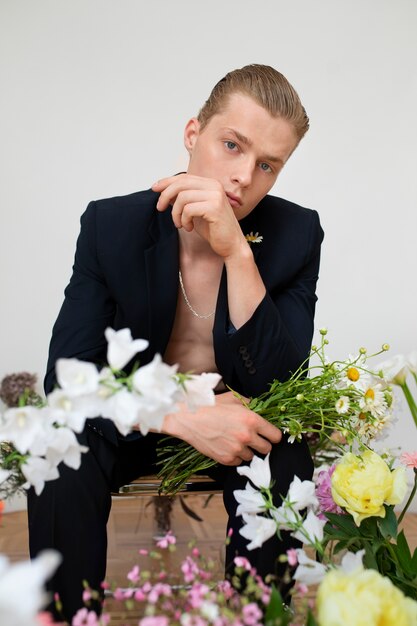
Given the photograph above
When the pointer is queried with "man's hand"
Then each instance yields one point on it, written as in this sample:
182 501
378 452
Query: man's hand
201 203
228 432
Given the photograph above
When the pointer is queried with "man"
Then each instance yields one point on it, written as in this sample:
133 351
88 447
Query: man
173 264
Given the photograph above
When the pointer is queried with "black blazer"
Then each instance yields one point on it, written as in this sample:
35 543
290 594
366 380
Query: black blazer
125 274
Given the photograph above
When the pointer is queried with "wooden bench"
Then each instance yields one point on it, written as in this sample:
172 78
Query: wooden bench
150 485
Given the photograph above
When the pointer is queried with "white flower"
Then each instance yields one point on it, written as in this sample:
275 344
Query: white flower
37 471
209 610
250 500
254 238
76 377
257 530
352 561
301 494
374 401
21 426
124 409
155 381
308 572
311 529
394 370
199 390
65 448
72 411
285 517
22 588
121 347
342 405
258 471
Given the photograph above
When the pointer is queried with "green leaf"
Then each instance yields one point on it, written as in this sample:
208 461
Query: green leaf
402 550
277 614
344 522
388 524
311 620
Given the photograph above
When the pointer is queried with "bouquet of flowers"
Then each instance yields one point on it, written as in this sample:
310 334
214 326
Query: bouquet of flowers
331 403
36 436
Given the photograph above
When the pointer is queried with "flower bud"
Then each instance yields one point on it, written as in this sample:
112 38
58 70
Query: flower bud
323 331
362 350
299 397
385 346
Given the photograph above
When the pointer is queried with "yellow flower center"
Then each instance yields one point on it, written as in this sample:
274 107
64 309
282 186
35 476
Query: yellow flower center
370 394
353 374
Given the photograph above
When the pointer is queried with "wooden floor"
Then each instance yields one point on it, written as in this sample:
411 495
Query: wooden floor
132 526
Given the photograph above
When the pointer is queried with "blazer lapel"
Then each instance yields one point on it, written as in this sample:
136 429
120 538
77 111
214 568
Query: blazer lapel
162 281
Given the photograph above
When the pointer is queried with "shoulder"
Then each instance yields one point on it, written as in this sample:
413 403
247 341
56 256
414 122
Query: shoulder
137 206
277 219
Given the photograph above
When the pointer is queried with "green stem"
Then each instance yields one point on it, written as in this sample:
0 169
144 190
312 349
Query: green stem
410 400
410 499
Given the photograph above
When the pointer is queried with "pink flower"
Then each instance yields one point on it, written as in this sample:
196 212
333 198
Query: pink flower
409 459
143 552
86 595
189 569
324 493
169 539
292 557
251 614
242 561
84 617
133 575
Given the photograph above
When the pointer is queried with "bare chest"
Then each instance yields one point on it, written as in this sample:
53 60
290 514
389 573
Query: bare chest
191 340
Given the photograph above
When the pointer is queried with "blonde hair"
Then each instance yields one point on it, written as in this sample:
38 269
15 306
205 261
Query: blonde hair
266 86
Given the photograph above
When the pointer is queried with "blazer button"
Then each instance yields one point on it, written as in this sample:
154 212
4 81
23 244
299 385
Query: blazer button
243 349
252 370
245 356
248 363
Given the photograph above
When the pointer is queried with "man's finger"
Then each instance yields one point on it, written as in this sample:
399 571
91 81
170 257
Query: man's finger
270 432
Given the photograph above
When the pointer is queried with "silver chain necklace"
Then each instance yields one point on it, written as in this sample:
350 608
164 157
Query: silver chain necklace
187 302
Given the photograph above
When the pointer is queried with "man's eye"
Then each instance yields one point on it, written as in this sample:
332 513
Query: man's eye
265 167
230 145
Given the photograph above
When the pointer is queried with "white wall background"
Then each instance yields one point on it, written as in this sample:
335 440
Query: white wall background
94 97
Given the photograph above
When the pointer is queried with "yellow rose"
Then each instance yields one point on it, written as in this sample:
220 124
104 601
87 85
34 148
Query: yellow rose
363 598
363 484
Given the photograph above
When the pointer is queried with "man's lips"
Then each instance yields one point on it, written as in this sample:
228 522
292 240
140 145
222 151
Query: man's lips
234 200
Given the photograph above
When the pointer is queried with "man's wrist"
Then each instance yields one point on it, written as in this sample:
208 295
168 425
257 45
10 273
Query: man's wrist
243 255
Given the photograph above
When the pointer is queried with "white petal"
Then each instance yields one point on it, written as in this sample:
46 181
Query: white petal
308 572
301 494
313 529
259 471
76 377
122 347
352 562
257 529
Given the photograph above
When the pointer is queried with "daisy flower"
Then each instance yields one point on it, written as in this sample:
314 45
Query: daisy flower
254 237
374 401
342 405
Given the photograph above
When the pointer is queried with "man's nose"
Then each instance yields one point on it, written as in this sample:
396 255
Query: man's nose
243 172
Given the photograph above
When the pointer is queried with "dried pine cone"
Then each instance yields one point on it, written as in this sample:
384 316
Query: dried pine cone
13 386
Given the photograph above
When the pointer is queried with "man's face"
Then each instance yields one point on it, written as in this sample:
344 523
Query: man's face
243 147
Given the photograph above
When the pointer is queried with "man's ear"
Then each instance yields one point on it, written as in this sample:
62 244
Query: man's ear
191 133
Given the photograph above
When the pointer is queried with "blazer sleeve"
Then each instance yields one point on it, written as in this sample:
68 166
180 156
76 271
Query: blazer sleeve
88 307
276 340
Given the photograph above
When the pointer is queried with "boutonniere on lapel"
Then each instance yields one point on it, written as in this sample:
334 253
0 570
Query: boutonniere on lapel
254 237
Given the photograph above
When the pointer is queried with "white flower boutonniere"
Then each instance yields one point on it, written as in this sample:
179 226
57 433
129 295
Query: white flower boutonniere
254 238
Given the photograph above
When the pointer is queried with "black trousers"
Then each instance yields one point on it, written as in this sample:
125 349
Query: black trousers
71 513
